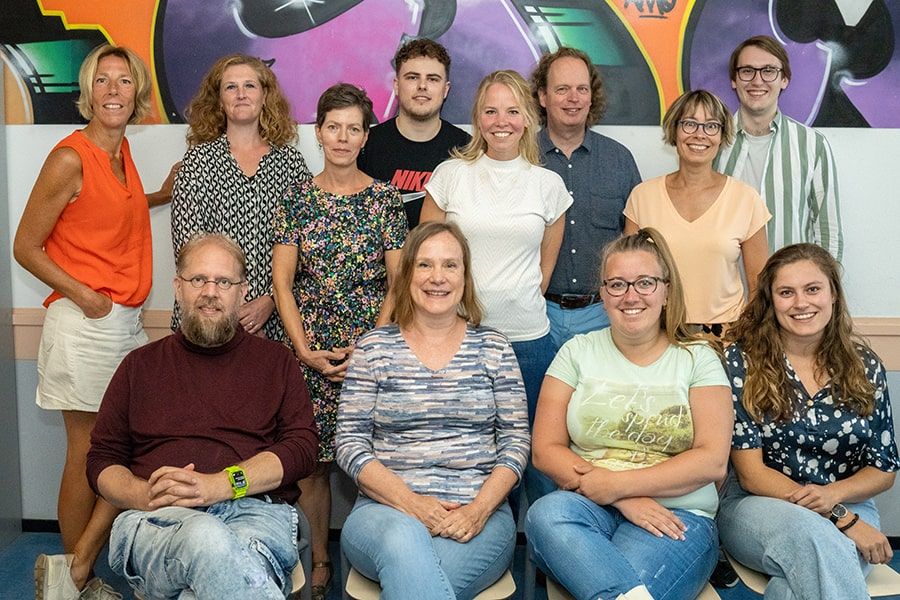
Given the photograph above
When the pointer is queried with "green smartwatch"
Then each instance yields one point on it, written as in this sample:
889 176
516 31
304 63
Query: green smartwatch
239 481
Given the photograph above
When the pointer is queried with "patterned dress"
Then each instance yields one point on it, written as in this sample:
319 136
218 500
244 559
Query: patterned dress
212 195
341 277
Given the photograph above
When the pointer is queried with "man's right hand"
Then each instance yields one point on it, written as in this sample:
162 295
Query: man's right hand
183 486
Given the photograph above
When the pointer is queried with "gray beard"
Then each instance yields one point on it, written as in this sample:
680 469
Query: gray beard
208 333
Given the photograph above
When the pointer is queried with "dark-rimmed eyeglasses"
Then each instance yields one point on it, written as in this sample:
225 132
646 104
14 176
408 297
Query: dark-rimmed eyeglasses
690 126
644 286
221 283
767 73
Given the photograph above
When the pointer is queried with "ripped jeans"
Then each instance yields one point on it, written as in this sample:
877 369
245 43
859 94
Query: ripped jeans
594 552
242 548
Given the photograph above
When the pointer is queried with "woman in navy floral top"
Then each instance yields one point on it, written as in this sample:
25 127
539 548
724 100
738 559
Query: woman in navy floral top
813 435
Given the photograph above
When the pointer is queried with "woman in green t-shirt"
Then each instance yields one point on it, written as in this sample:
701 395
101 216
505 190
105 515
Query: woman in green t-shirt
633 424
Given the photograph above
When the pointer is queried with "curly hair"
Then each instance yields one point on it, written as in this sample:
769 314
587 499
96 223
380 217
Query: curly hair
345 95
139 74
685 105
674 314
207 118
768 393
403 313
420 47
542 72
528 144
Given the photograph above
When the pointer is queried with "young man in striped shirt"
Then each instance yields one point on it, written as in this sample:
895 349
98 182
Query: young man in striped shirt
789 163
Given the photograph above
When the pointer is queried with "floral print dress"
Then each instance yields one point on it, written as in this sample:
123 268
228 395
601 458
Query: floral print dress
341 277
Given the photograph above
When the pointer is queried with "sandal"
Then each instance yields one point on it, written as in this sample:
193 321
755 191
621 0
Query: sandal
320 592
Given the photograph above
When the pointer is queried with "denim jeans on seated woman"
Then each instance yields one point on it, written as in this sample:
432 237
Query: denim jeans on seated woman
534 356
395 549
803 552
595 552
242 548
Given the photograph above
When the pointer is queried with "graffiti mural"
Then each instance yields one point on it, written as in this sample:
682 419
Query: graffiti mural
844 53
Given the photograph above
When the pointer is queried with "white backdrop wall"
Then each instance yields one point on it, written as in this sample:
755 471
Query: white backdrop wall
870 190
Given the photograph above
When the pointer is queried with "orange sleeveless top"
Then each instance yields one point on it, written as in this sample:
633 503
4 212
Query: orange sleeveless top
103 237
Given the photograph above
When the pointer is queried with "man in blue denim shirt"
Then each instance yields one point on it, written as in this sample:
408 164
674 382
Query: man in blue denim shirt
599 173
201 438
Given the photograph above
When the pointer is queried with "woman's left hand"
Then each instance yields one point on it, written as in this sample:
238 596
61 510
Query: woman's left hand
818 498
463 523
254 314
871 543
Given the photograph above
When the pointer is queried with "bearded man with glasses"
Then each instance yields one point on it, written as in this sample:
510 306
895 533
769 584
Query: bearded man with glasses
790 164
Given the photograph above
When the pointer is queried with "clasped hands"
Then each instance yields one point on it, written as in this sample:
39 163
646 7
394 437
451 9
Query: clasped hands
185 487
872 545
332 364
602 486
460 522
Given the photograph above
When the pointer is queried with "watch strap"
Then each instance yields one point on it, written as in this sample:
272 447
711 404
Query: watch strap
238 480
850 524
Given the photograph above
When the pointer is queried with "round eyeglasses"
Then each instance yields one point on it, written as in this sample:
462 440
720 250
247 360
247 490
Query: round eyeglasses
767 73
690 126
644 286
221 283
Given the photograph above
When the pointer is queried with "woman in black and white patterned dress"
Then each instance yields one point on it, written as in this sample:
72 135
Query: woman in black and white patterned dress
239 164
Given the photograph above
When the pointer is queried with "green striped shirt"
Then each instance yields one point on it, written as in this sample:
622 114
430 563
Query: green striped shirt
799 184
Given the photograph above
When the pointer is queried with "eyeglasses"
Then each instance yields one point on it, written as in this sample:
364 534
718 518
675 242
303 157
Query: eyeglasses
767 73
221 283
690 126
644 286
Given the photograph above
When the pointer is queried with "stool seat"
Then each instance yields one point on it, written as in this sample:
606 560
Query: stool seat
362 588
881 581
557 592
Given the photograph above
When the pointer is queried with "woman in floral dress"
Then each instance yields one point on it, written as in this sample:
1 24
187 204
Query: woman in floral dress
340 234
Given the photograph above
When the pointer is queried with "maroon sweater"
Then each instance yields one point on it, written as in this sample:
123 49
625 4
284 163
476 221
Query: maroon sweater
173 403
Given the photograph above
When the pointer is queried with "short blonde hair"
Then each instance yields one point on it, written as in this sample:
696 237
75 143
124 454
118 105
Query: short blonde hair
139 74
469 308
686 103
521 91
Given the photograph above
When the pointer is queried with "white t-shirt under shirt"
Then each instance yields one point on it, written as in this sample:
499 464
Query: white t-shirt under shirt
624 416
503 208
758 152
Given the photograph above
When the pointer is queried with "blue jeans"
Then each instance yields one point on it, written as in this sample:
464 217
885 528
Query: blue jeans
803 553
534 356
242 548
566 323
395 549
596 553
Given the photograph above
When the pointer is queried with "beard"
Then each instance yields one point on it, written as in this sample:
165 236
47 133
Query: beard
208 332
419 113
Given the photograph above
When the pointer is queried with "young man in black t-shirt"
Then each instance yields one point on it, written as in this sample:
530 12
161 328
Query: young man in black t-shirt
405 150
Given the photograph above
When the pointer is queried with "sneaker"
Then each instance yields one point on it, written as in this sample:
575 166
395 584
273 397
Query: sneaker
96 589
51 578
723 576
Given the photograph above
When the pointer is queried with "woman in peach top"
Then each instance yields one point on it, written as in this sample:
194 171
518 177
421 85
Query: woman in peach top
713 223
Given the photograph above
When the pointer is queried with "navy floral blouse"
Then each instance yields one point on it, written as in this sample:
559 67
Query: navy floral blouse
823 442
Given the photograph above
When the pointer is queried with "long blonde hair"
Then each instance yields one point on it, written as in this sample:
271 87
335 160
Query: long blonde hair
673 319
404 311
529 149
768 393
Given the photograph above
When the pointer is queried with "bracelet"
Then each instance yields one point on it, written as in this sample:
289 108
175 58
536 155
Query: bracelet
850 524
